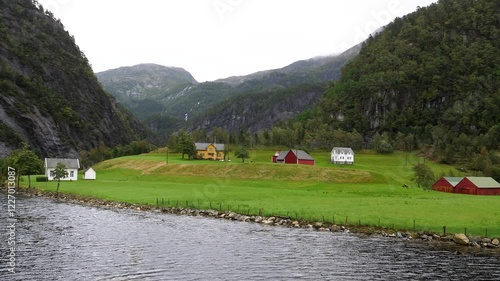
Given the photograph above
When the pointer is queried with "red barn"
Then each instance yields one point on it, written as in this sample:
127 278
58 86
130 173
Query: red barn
446 184
295 157
478 186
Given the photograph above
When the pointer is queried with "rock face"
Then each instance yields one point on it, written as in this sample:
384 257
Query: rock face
461 239
260 111
49 96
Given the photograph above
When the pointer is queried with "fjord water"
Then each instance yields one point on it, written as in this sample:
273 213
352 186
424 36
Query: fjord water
60 241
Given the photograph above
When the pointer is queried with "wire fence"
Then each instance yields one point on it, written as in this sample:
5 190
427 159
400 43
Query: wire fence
413 225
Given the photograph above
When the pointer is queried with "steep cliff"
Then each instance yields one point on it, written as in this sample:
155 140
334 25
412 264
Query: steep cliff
49 96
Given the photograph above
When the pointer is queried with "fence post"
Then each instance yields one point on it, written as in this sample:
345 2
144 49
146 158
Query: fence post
465 231
345 220
486 232
444 230
333 219
413 224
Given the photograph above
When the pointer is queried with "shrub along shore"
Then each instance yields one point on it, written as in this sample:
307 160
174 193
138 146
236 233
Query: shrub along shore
445 241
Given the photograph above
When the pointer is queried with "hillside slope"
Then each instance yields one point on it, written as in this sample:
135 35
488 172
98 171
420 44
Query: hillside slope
434 74
164 101
50 98
145 88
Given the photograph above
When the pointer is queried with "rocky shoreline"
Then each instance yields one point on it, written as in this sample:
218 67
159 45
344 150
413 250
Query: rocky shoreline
460 242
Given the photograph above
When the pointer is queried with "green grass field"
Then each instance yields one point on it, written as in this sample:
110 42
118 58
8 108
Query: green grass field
369 192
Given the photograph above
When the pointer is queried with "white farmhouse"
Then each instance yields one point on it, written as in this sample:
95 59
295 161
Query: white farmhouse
72 166
90 174
342 155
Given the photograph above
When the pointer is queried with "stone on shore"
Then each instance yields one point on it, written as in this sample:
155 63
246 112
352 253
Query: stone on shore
461 239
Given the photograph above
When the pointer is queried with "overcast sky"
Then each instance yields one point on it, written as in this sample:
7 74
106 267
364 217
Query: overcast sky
215 39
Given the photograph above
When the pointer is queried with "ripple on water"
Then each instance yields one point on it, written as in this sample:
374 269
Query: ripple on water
58 241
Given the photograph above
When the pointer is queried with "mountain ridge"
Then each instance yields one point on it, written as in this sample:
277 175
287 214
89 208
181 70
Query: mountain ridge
190 100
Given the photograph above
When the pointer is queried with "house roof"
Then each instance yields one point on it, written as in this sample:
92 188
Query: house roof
345 150
484 182
90 170
282 155
453 180
204 145
301 155
51 163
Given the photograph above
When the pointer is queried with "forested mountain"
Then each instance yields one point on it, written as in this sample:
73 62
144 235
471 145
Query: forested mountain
163 101
433 75
49 96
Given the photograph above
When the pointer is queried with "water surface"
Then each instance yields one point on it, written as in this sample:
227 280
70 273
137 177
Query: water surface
60 241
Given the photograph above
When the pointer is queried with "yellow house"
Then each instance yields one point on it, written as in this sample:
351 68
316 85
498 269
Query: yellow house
214 151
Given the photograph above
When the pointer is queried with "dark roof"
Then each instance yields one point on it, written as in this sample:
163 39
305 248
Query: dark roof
204 145
345 150
282 155
51 163
301 155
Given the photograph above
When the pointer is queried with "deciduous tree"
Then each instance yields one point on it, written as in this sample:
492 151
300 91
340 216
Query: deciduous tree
242 153
423 176
59 174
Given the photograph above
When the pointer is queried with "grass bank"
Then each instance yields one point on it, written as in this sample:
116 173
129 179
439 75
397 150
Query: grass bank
367 193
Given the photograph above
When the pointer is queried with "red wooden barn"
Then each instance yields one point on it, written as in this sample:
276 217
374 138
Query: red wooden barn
446 184
294 156
478 186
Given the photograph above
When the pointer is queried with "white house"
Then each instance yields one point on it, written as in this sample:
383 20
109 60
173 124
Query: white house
90 174
342 155
72 166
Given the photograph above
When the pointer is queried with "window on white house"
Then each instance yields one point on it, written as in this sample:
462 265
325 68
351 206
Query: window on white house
71 173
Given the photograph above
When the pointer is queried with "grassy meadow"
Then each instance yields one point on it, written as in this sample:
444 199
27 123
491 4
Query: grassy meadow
368 193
